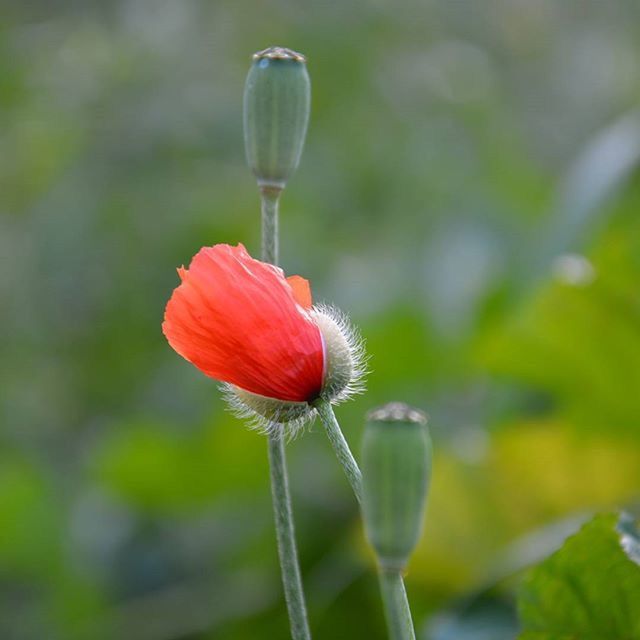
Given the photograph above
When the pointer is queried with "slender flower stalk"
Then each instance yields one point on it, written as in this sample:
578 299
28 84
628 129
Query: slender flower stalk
285 533
340 447
396 605
270 199
283 514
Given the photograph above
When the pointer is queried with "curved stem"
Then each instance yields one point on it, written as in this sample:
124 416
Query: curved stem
396 605
340 447
285 533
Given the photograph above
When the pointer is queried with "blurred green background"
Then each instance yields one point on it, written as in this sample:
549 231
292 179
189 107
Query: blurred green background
468 193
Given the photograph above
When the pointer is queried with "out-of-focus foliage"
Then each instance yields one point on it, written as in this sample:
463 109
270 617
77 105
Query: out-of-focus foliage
587 589
535 473
485 618
468 193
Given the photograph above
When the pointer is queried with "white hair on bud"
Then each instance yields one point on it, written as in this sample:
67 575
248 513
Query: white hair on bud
267 416
352 384
344 378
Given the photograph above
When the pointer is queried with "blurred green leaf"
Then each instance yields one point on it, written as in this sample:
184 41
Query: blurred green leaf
589 331
29 520
164 471
589 589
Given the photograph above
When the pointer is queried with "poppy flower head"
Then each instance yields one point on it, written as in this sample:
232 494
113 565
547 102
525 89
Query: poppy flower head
242 322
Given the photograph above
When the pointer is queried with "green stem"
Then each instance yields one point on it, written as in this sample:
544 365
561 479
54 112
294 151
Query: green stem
396 605
394 595
285 533
340 446
270 197
293 593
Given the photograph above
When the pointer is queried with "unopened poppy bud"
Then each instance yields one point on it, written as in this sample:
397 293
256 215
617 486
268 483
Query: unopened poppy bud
396 466
277 100
243 322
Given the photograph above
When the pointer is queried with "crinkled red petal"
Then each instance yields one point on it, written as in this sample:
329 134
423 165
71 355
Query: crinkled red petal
239 321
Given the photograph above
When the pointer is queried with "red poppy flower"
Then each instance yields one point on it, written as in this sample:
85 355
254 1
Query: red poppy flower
242 322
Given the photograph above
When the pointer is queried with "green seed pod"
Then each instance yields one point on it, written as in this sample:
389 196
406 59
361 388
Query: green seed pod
396 466
277 99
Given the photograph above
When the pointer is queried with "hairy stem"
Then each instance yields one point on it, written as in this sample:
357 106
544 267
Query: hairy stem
396 605
285 533
340 446
287 551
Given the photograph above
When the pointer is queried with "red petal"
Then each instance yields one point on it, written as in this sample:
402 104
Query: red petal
238 320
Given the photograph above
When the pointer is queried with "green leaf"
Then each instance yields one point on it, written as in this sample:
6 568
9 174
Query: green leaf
588 590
